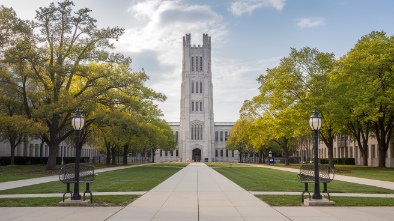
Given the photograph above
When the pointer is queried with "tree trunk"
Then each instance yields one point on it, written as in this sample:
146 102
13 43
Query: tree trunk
152 155
125 153
12 154
108 147
260 156
51 164
113 156
382 156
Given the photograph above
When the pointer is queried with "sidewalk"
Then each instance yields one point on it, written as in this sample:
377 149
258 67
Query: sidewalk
197 192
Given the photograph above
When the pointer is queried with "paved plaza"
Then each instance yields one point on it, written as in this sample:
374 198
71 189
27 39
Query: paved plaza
197 192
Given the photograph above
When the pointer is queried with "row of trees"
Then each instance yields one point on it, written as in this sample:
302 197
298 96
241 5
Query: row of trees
61 61
353 94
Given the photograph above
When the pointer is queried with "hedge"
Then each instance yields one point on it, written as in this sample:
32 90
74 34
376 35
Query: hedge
344 161
37 160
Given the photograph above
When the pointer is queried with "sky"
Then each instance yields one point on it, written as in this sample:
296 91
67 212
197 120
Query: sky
248 36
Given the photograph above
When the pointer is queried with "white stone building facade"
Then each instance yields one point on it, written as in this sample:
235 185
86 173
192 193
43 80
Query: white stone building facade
199 137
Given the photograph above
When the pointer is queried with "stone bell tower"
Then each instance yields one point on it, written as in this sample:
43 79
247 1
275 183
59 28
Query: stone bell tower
196 114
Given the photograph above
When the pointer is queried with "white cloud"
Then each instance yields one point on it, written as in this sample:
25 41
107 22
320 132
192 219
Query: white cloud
248 6
310 22
161 26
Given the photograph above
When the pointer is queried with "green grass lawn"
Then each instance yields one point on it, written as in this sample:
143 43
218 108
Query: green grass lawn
292 200
22 172
125 180
264 179
375 173
122 200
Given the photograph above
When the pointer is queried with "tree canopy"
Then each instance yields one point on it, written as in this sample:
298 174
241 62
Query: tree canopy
60 62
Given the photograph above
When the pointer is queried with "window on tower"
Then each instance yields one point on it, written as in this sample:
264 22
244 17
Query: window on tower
200 105
192 105
192 63
196 63
192 86
216 136
196 105
197 87
200 87
200 63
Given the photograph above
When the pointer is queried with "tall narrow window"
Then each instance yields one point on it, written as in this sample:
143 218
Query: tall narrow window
200 63
201 133
225 136
176 135
196 63
232 153
196 105
200 87
197 87
192 86
191 134
216 153
221 136
216 136
192 63
192 105
200 105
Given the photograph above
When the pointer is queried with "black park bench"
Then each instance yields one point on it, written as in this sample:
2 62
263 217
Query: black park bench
307 175
86 175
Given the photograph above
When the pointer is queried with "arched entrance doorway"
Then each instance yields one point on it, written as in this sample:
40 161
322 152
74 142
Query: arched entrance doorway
196 155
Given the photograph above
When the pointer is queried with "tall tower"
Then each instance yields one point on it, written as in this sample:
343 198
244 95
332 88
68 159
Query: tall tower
196 115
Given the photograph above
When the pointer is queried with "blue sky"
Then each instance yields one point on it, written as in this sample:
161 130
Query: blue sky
248 36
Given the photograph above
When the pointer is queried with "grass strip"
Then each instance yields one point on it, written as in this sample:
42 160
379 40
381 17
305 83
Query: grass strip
98 201
292 200
375 173
264 179
22 172
124 180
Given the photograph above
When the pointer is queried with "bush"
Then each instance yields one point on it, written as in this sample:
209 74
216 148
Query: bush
37 160
344 161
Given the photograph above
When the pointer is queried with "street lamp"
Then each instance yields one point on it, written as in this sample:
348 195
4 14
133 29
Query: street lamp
77 123
315 123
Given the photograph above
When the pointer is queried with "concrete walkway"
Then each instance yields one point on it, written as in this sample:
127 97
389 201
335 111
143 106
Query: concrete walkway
197 192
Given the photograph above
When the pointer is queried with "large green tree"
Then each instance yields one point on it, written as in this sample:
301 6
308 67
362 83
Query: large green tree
67 65
368 70
289 93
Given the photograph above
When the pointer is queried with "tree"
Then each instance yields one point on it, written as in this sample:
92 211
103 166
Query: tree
288 94
368 70
62 75
14 128
239 138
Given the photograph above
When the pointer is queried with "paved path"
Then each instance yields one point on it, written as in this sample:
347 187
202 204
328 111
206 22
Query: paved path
197 192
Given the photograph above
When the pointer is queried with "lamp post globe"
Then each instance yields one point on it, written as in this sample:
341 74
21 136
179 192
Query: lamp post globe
315 124
78 123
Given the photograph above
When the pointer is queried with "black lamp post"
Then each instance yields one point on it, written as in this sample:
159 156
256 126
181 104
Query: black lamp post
315 123
77 123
